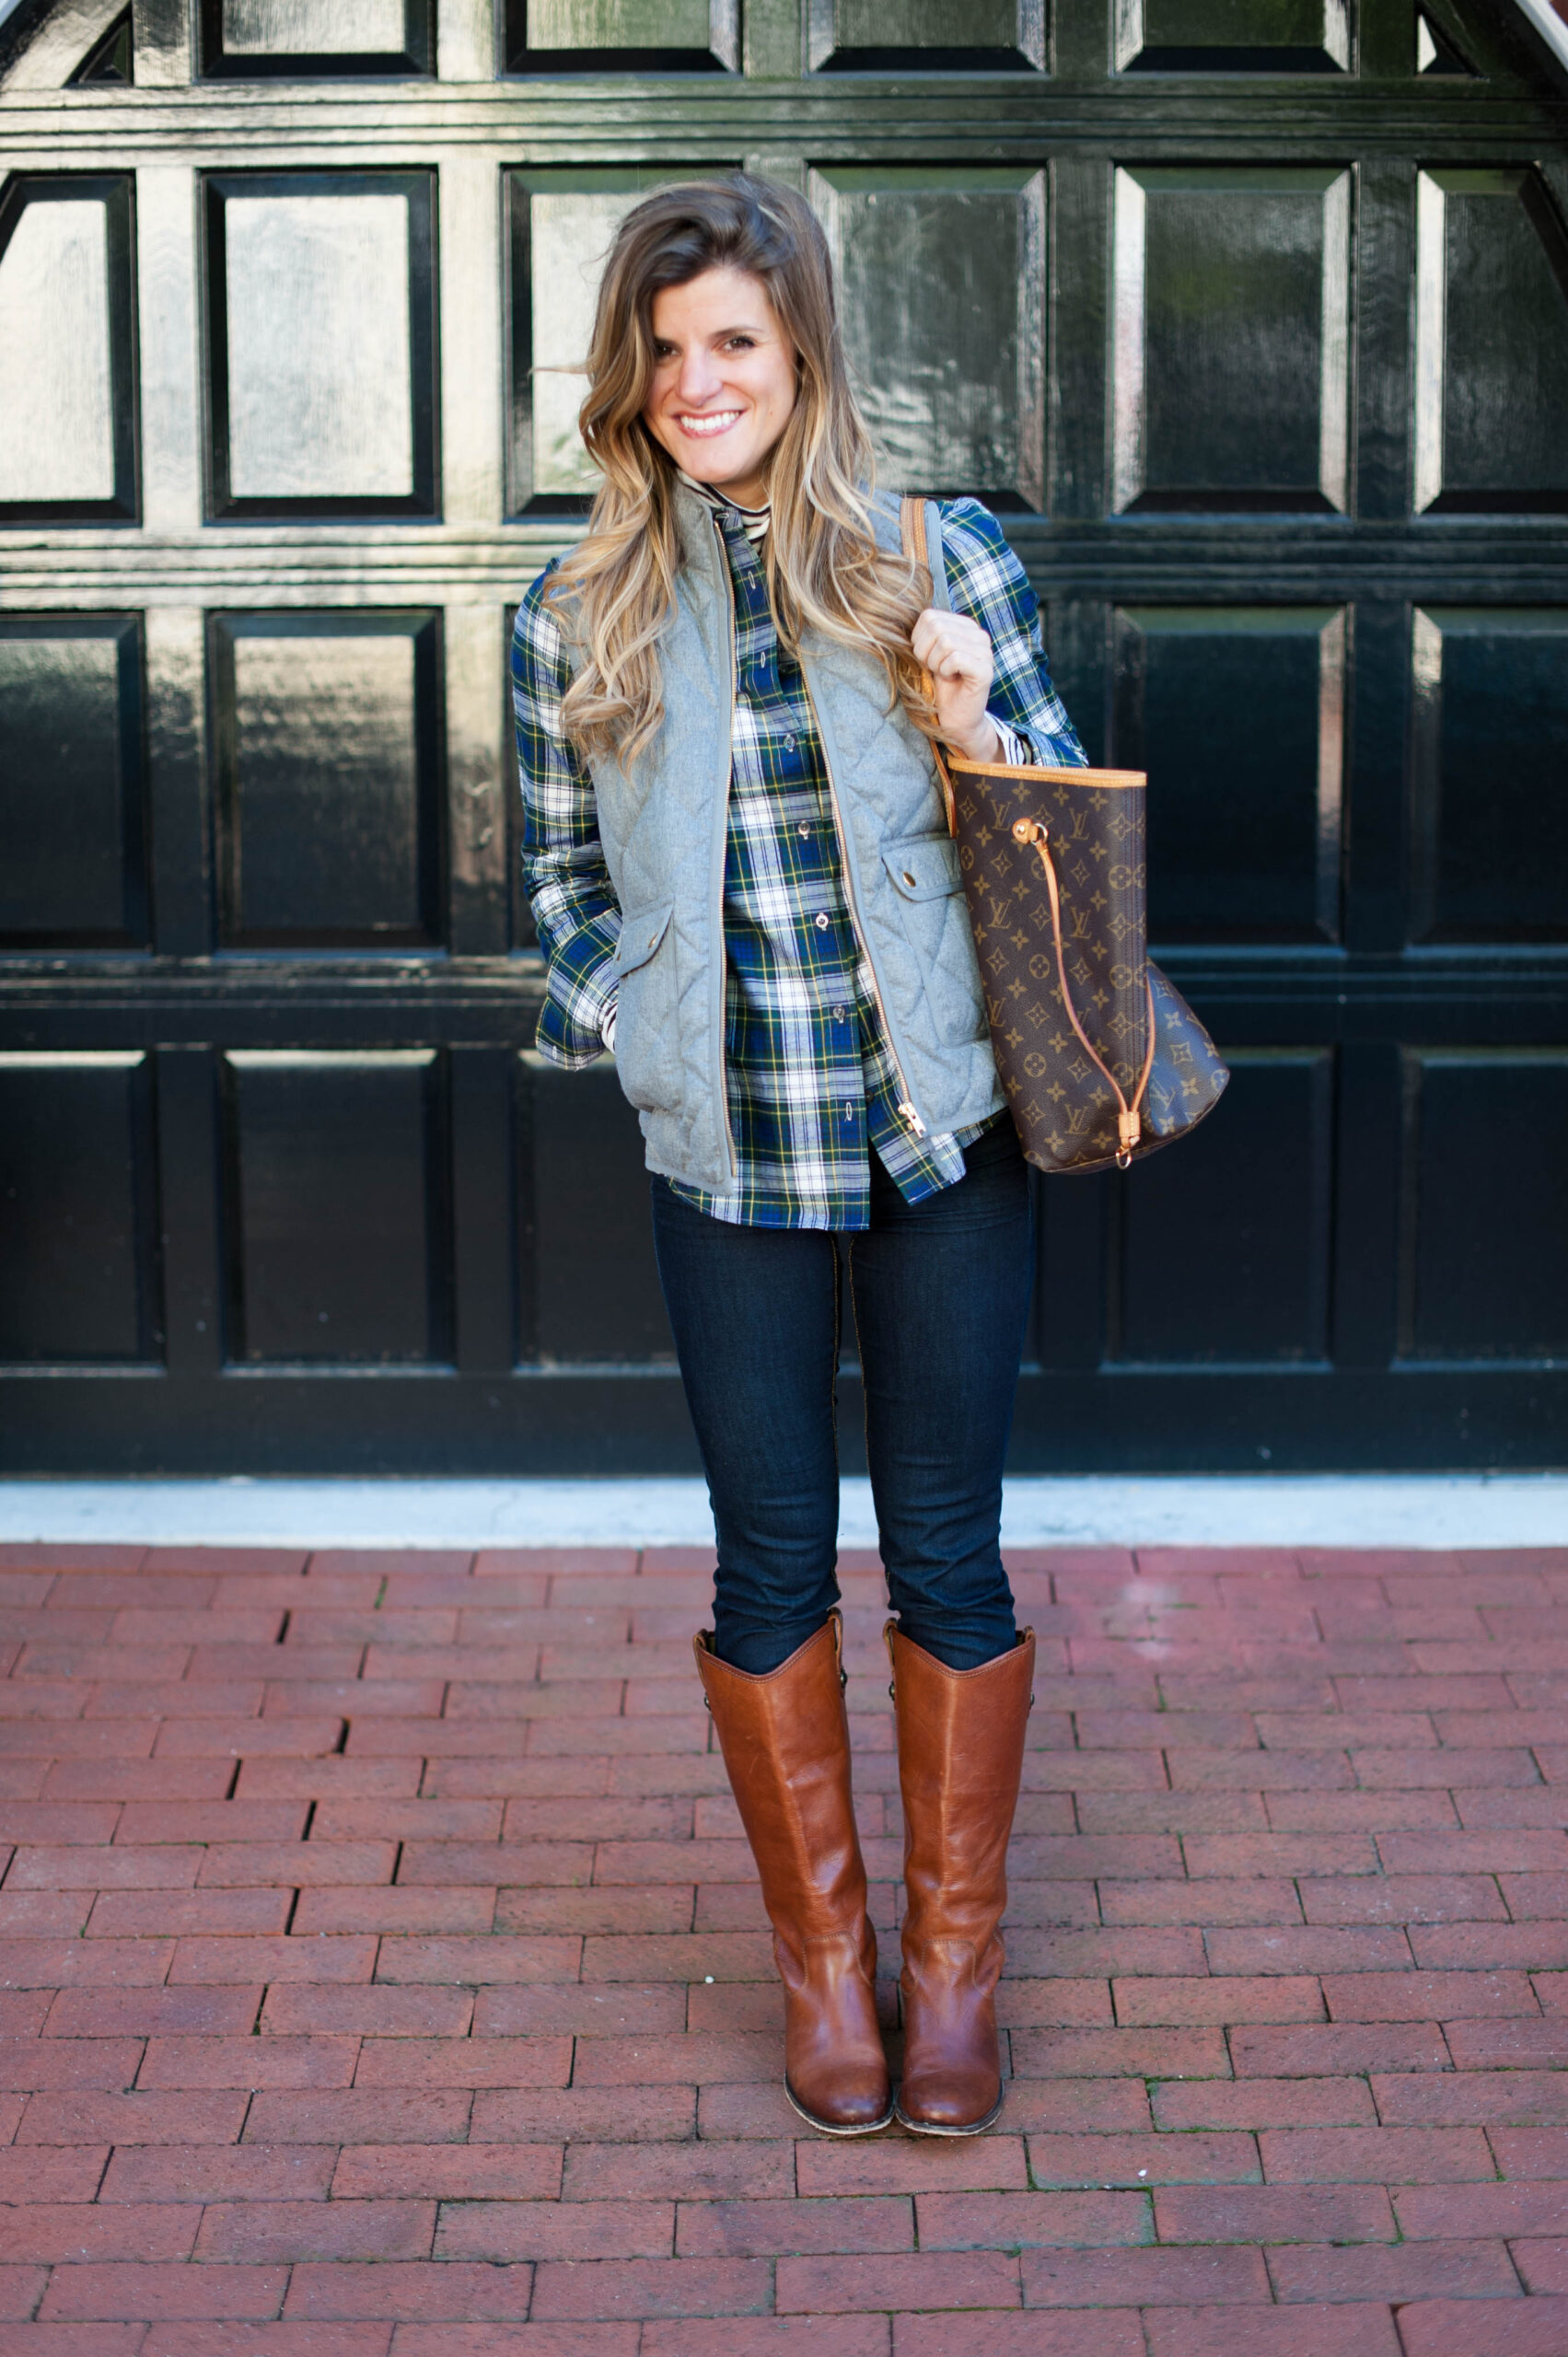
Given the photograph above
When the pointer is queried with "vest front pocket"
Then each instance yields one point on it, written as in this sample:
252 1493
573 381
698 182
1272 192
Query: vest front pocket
929 896
647 1048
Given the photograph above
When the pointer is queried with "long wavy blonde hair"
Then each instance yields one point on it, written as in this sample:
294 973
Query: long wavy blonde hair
825 571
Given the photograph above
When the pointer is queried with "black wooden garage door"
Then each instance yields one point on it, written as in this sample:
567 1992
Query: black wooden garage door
1251 316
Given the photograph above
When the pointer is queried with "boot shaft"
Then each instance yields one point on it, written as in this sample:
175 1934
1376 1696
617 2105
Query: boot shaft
961 1735
785 1736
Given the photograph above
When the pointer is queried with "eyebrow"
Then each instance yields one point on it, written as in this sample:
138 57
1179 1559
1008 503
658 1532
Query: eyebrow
741 326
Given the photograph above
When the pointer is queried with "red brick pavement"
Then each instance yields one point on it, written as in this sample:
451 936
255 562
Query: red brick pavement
382 1973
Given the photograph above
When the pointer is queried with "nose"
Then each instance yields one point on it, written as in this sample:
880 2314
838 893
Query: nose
697 380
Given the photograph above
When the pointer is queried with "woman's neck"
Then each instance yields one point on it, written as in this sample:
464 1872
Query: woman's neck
755 502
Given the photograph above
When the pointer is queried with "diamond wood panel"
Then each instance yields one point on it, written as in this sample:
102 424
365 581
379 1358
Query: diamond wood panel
1488 815
942 281
72 848
1238 717
336 1203
334 416
326 732
67 389
78 1244
1232 338
1435 52
111 60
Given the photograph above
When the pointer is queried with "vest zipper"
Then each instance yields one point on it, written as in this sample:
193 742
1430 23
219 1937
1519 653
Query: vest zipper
730 776
906 1106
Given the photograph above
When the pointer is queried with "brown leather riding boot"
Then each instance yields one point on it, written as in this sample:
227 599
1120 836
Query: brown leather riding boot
785 1743
960 1756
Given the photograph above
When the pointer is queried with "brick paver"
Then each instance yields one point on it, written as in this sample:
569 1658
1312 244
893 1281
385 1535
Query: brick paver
382 1973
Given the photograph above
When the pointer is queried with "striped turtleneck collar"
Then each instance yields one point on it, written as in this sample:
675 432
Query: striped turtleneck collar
754 521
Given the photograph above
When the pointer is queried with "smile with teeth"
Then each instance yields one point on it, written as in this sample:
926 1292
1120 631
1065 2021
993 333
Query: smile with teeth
716 422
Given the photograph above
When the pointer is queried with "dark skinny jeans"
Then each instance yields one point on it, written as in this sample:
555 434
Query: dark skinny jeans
940 1291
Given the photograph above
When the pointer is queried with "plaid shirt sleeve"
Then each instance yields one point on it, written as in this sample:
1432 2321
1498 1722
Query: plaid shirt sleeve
986 581
568 884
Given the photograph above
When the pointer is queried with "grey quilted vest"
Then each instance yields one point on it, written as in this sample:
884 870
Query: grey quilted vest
664 829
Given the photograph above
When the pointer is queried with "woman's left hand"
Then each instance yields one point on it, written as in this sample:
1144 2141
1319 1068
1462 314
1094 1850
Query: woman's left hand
956 653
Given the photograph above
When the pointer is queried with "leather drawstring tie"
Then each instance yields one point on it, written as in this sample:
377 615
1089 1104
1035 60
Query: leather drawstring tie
1129 1115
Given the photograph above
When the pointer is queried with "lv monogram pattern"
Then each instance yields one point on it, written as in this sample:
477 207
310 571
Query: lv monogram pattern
1064 1110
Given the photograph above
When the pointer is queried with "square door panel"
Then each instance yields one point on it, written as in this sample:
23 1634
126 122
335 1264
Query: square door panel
72 858
1489 814
1491 344
1231 365
1483 1260
1221 1248
1233 36
941 288
623 36
925 36
258 40
337 1218
326 739
322 343
1236 713
67 344
78 1234
590 1286
560 227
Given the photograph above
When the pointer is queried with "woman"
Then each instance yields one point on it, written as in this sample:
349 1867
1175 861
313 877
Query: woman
744 888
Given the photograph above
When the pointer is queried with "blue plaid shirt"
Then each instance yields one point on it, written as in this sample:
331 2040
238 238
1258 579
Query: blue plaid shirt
811 1082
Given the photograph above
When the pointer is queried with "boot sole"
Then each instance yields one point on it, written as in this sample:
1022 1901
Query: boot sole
835 2127
935 2128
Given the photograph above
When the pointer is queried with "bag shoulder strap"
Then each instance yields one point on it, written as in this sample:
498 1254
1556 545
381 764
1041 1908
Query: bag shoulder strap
919 525
920 521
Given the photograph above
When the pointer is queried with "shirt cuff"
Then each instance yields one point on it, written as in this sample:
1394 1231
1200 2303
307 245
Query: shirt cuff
1013 751
606 1022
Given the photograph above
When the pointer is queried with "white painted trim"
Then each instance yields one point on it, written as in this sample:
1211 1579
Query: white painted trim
1549 23
1244 1510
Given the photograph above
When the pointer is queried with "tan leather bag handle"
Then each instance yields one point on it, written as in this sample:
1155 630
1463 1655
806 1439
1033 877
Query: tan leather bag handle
911 526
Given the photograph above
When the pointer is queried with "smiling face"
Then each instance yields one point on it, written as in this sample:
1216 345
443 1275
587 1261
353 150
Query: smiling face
723 384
